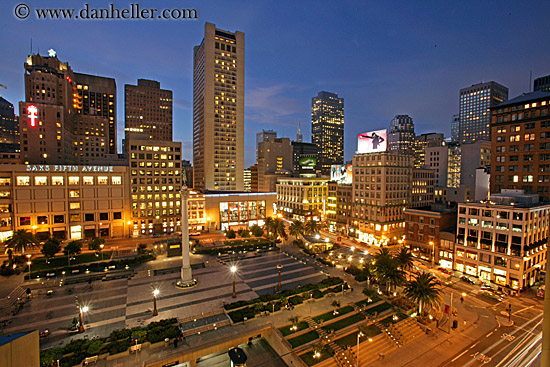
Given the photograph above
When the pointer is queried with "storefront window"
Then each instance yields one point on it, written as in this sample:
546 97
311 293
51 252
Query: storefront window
88 180
74 180
116 180
23 180
40 180
102 180
57 180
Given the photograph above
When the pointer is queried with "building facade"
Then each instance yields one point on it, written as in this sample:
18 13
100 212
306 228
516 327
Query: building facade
422 187
96 96
264 135
504 240
274 159
327 129
339 207
69 202
542 84
9 125
381 190
148 110
218 110
420 144
155 185
401 137
304 150
455 128
520 149
474 110
473 156
302 198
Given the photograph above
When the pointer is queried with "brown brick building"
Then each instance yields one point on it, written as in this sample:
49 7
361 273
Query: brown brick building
520 149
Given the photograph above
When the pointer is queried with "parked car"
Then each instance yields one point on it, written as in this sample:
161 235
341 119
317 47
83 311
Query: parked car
464 278
44 333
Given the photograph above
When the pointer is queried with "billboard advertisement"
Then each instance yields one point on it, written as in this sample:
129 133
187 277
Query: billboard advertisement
372 141
307 163
341 173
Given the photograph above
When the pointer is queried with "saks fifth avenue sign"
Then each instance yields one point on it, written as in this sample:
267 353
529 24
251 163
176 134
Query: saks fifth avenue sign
63 168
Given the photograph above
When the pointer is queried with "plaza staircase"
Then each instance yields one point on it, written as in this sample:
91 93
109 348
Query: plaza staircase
14 296
405 331
369 352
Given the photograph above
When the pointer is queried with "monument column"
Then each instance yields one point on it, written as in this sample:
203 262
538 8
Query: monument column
186 275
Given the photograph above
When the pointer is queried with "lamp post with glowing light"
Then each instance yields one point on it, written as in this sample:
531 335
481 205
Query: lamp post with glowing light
359 335
29 264
155 294
101 247
433 252
233 272
81 310
279 268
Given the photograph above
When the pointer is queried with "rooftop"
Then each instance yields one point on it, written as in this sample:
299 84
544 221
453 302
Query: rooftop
5 339
524 97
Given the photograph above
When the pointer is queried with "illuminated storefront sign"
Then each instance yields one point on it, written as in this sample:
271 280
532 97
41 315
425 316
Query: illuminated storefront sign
341 173
67 168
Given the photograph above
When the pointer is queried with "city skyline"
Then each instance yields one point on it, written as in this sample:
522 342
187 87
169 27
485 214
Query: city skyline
424 85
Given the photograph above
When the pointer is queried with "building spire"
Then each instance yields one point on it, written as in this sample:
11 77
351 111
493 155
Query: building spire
299 136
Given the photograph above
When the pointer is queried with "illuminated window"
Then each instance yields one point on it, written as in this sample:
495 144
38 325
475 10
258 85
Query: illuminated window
23 180
74 205
88 180
102 180
74 193
57 180
40 180
74 180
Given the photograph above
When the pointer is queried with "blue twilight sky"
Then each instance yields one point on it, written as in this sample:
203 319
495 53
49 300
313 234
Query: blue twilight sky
384 58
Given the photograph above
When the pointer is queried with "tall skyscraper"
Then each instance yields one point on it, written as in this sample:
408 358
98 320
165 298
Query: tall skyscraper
9 127
148 110
218 110
97 97
264 135
475 116
327 129
542 84
421 142
274 159
299 136
401 135
455 128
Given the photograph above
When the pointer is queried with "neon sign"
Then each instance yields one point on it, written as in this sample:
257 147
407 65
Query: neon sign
32 112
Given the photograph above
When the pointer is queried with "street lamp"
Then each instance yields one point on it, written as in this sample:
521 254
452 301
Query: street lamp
279 268
101 247
29 264
360 334
233 272
433 252
81 310
155 294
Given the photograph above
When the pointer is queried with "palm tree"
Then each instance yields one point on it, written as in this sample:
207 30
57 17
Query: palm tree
296 229
368 272
279 228
20 240
294 320
405 259
312 227
423 289
268 225
384 266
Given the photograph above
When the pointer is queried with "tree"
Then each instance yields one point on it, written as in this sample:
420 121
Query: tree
335 304
296 228
279 228
256 230
230 234
367 272
95 244
21 240
312 227
387 269
268 225
72 248
423 289
50 248
294 320
405 259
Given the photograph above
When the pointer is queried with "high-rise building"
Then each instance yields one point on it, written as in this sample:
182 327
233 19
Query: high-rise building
381 190
302 198
9 126
274 159
455 128
247 179
401 135
420 144
46 118
474 114
304 150
218 110
155 184
299 136
473 156
327 129
97 97
148 110
445 160
520 145
263 136
542 84
422 187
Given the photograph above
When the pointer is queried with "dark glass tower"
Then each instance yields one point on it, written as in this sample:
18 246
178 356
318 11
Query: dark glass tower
327 129
401 135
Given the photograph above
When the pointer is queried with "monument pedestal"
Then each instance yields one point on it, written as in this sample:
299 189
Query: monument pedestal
186 279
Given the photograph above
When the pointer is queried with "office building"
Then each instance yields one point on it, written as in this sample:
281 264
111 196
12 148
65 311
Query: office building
155 185
254 178
339 207
274 159
474 110
503 240
520 145
301 150
96 96
69 202
327 129
420 144
473 156
542 84
302 198
445 160
247 180
401 137
381 190
423 226
9 126
455 128
299 136
263 136
148 110
20 349
422 187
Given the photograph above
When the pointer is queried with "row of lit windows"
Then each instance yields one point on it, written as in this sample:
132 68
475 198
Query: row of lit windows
73 180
